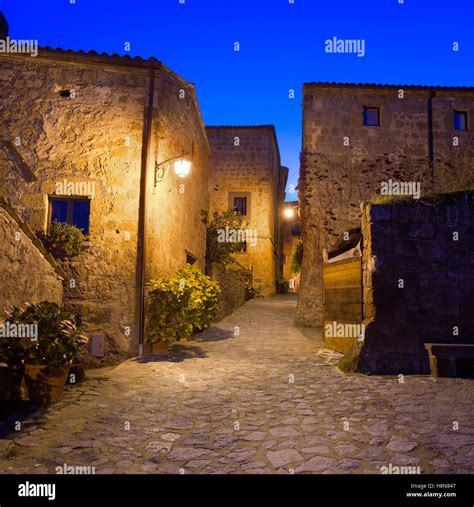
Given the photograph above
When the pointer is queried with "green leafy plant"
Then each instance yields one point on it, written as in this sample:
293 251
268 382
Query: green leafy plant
13 350
283 286
297 258
59 336
180 304
65 239
218 251
165 317
12 353
203 298
250 292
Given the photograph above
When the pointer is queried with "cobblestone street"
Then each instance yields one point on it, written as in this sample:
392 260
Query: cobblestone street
269 400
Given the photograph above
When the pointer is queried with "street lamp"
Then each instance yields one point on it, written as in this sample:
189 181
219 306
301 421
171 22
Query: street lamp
182 167
289 212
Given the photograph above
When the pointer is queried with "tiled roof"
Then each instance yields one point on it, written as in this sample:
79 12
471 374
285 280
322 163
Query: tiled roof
240 127
96 54
322 84
94 57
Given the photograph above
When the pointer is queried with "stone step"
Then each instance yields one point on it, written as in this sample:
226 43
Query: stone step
6 446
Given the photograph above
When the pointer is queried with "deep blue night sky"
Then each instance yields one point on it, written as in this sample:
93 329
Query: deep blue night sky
282 46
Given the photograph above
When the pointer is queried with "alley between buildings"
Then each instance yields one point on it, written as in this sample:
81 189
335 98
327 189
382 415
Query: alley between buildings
253 394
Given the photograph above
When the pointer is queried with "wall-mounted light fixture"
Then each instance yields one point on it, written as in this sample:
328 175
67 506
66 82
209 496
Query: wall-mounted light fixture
182 166
291 210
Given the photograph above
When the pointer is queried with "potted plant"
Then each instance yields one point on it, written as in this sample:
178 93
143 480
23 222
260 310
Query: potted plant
203 297
49 354
165 318
65 240
12 353
178 305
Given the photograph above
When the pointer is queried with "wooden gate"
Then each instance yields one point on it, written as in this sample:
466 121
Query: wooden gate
342 302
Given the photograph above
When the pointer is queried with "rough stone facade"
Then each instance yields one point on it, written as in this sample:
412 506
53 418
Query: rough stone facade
79 118
246 161
232 285
418 279
291 235
344 162
26 273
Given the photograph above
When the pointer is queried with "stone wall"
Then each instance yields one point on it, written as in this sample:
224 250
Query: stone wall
26 276
96 137
344 163
232 284
291 234
418 280
246 159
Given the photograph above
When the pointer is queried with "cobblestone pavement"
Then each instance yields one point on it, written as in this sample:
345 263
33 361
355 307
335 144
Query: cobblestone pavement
270 400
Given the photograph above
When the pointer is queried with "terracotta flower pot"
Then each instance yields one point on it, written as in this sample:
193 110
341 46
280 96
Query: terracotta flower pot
42 387
159 348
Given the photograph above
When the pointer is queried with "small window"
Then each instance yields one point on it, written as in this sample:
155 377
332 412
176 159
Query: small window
190 258
372 116
71 211
460 120
240 203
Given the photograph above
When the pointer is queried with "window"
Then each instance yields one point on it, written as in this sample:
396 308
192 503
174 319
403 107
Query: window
240 203
72 211
460 120
371 116
190 258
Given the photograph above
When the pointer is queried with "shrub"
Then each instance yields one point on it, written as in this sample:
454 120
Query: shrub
297 258
283 286
165 317
65 239
349 362
204 297
12 350
250 292
180 304
220 252
59 336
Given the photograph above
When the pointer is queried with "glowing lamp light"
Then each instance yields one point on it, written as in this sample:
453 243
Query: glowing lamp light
289 212
182 167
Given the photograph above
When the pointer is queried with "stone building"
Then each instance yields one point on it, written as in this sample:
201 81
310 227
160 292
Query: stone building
245 175
291 236
418 285
360 141
28 271
83 136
